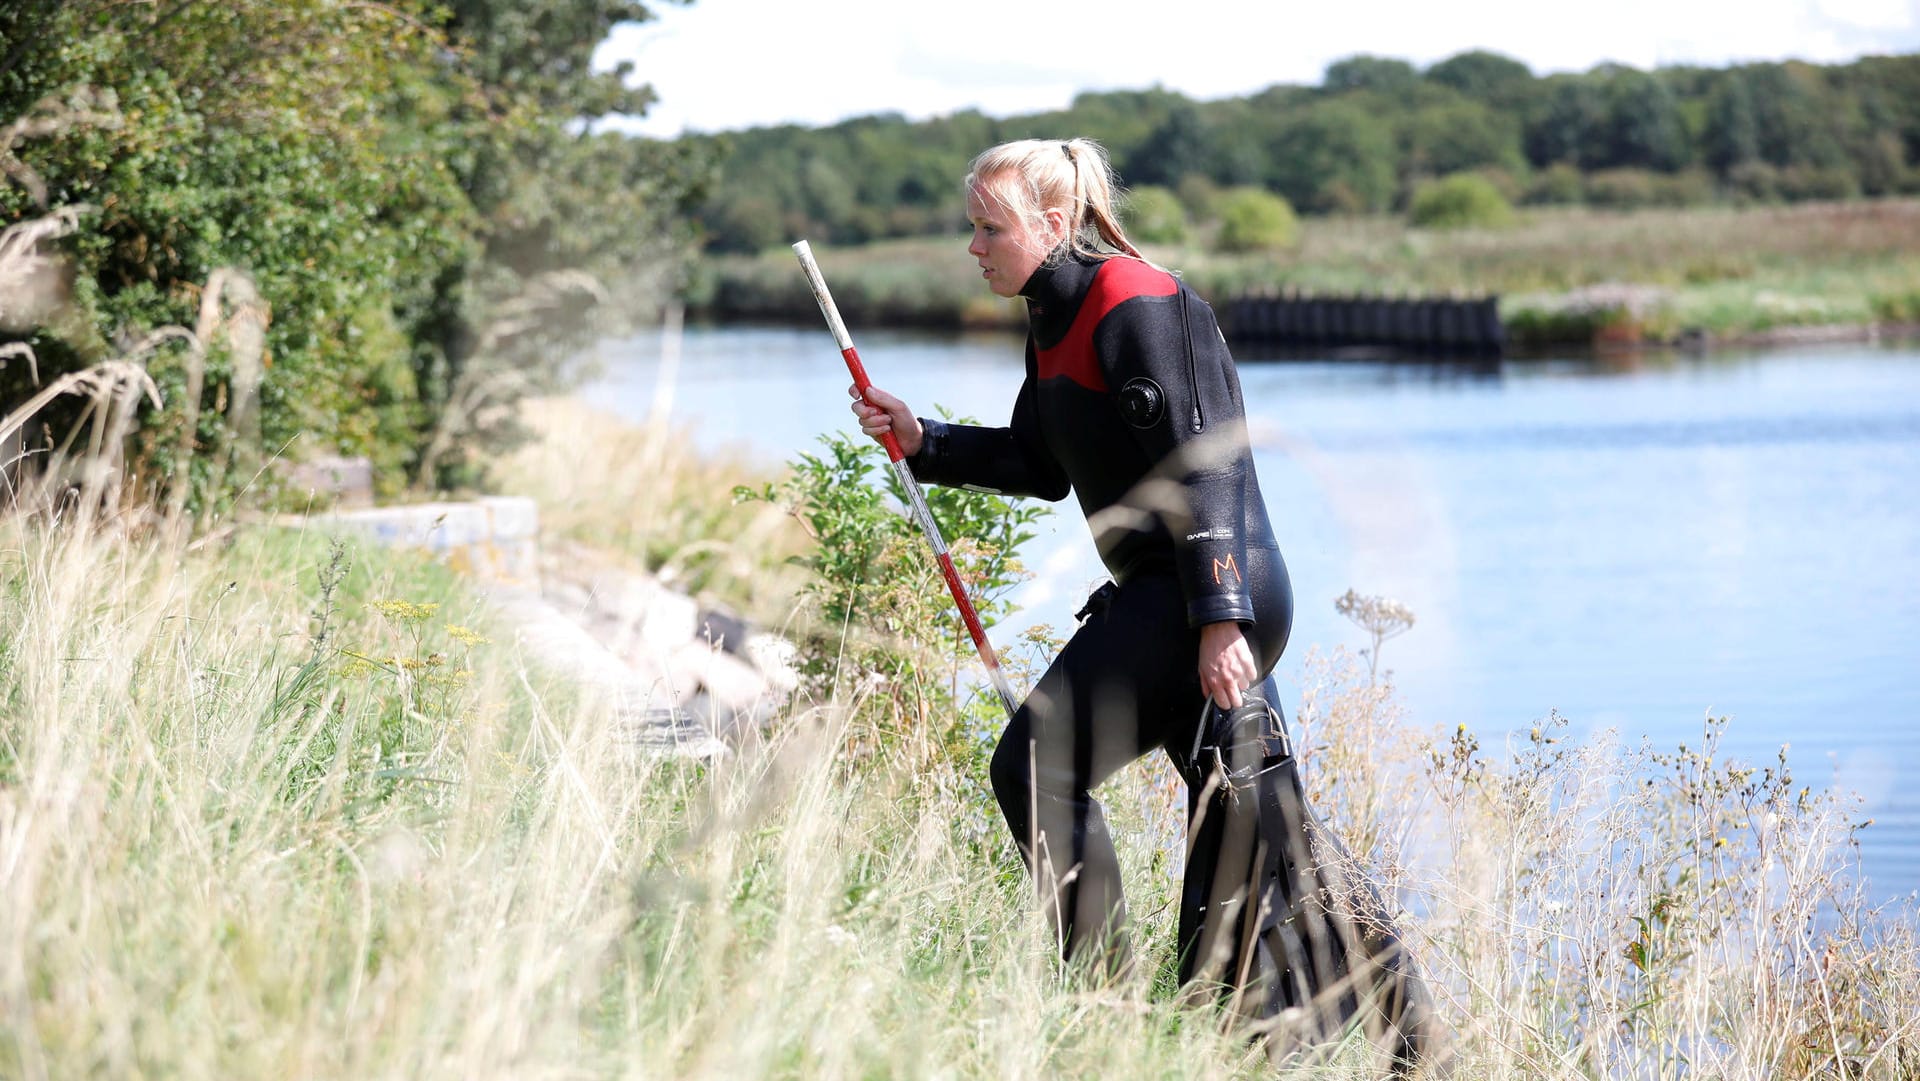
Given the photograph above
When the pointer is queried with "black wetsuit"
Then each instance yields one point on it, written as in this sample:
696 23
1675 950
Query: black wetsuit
1132 402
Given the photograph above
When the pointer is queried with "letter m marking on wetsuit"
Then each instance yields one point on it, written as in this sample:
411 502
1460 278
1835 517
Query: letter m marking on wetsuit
1225 565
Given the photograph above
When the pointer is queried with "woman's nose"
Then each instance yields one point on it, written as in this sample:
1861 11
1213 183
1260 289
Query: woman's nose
975 248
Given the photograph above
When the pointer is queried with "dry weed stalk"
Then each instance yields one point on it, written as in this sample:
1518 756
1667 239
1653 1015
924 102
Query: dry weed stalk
231 307
1588 910
108 385
33 290
1381 617
33 283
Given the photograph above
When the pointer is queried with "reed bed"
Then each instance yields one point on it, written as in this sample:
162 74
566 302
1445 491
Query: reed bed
1724 272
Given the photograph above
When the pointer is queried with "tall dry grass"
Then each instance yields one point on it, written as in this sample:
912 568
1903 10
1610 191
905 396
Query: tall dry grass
271 806
647 495
253 822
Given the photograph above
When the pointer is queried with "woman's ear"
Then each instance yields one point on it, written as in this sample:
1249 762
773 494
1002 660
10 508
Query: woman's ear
1056 219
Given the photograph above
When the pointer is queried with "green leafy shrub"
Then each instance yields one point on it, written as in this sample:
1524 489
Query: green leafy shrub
1460 201
1201 196
1754 181
1620 189
1689 187
1817 182
1599 315
1560 184
1634 189
1538 327
1154 215
1897 306
880 612
1253 220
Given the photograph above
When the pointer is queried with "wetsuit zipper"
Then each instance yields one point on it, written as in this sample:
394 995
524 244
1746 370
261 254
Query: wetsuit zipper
1193 380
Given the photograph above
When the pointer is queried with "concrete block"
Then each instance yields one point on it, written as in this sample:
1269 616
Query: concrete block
729 682
496 538
668 621
777 659
332 479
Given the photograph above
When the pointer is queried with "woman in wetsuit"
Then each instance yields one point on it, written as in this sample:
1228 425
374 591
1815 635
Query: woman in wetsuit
1132 403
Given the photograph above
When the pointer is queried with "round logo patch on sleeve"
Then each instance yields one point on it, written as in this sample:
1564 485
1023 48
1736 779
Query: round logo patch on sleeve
1142 402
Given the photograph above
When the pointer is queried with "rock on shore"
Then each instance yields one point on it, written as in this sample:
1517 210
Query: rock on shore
681 678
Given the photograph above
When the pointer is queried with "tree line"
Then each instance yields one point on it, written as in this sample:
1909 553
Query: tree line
421 219
1365 140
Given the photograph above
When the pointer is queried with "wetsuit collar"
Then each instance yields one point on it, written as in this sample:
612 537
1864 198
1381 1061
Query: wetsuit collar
1062 278
1055 290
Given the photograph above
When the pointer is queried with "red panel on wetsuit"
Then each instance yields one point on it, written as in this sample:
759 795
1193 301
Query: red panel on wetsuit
1118 280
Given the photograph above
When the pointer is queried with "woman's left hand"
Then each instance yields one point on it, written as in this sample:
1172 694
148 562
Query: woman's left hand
1226 664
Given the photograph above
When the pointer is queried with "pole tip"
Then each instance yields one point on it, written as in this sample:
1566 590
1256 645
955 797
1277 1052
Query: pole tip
802 248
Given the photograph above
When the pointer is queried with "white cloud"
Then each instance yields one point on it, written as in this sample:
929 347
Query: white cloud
1872 14
723 64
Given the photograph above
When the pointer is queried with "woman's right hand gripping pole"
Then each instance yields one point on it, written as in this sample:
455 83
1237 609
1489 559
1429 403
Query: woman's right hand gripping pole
880 413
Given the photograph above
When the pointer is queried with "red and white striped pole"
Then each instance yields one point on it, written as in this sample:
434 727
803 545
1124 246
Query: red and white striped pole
907 482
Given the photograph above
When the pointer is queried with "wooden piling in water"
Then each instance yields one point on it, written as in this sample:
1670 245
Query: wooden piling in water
1418 326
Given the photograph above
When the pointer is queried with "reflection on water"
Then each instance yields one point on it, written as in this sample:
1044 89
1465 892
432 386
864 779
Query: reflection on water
1636 545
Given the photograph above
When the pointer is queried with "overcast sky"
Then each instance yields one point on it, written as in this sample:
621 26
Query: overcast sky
719 65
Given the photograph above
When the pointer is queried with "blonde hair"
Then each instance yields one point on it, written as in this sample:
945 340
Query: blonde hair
1033 176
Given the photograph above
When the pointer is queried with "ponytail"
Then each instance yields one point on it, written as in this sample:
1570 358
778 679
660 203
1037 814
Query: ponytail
1038 175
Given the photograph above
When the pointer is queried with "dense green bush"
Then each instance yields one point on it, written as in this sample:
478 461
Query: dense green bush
1634 189
1559 184
1460 201
1817 182
1536 327
1201 197
1754 181
1154 215
396 186
1252 219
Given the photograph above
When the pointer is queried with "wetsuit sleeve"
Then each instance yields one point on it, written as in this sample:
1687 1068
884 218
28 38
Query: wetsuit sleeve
1013 460
1173 378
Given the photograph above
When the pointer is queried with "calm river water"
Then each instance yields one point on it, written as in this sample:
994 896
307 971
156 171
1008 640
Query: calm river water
1635 544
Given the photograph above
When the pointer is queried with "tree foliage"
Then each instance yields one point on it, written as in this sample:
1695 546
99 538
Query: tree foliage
402 182
1385 76
1364 140
1333 157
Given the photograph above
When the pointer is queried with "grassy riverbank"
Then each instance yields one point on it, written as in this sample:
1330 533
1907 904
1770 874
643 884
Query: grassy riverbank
274 808
1564 275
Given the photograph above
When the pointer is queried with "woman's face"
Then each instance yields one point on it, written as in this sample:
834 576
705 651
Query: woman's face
1007 248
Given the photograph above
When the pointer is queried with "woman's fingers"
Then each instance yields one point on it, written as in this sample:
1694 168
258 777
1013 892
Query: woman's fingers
1226 664
873 420
1226 695
880 413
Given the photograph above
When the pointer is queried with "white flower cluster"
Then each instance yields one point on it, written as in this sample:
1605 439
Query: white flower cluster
1381 617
